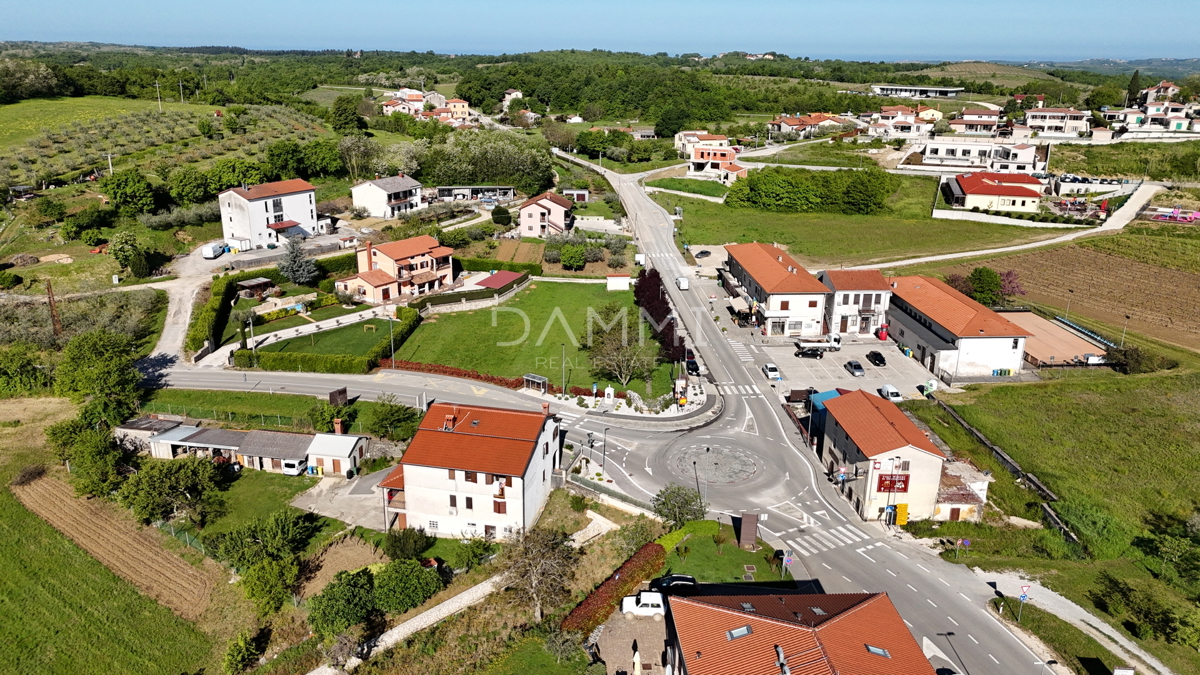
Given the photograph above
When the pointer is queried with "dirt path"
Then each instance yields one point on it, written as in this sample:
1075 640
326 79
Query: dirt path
347 554
128 550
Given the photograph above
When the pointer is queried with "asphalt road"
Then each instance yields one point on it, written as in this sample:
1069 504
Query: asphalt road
752 459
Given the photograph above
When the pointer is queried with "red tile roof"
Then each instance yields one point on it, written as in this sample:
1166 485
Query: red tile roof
877 426
499 279
982 111
455 100
952 310
999 184
735 168
412 247
712 137
374 278
394 479
768 265
834 641
857 280
488 440
282 225
551 196
276 189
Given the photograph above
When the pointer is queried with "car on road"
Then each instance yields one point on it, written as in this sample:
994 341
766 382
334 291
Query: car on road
676 584
644 603
771 371
810 353
681 283
855 368
890 393
876 359
702 254
693 368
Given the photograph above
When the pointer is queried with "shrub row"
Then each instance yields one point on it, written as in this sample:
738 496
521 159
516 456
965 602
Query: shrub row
267 317
208 321
307 363
484 265
323 301
696 528
407 321
1035 217
451 371
602 602
338 265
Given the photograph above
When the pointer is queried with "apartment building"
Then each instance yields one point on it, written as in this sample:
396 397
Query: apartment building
269 213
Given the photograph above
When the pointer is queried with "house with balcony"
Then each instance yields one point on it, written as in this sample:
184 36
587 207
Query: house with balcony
1162 90
859 300
546 214
779 293
388 197
686 141
474 471
710 163
976 121
994 155
409 267
268 214
1058 121
1127 116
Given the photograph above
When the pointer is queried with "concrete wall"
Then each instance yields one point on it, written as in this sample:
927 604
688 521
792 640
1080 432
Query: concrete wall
372 198
946 214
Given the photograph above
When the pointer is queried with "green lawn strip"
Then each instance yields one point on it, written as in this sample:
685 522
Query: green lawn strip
529 657
596 207
28 118
331 188
441 339
700 187
827 154
294 321
707 565
256 494
830 238
202 403
353 340
1076 650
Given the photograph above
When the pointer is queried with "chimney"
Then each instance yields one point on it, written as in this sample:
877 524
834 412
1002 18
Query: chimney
368 254
448 425
338 428
893 284
545 408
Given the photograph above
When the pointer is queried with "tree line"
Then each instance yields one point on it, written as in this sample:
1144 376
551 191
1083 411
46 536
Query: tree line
806 191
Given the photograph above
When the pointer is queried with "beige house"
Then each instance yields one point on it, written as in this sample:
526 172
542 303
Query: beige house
879 458
458 108
413 266
929 114
997 191
546 214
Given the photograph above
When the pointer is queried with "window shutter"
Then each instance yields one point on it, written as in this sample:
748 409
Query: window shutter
500 507
453 500
508 481
451 472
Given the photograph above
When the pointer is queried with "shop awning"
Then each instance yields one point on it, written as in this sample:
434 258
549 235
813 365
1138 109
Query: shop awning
739 305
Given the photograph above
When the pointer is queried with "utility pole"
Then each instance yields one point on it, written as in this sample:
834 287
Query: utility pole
181 91
109 155
57 323
158 88
564 369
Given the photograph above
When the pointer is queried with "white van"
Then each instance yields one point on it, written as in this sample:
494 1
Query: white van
682 283
295 467
212 251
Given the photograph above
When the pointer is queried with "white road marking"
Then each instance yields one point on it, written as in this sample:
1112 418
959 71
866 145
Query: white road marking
827 566
964 597
952 620
993 659
930 602
921 566
901 554
972 638
911 586
846 578
892 573
939 578
906 623
860 552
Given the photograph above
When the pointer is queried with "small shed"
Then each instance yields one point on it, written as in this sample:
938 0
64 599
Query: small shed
499 279
255 286
577 195
336 453
619 282
266 450
136 434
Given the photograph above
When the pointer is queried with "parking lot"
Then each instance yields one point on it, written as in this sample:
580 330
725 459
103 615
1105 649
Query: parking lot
829 372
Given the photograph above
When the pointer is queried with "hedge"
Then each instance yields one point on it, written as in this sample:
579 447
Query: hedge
338 265
602 602
300 362
451 371
323 301
208 320
408 319
268 317
485 265
696 528
477 294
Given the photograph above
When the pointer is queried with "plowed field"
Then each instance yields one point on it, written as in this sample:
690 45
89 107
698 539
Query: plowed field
124 548
506 249
528 252
345 555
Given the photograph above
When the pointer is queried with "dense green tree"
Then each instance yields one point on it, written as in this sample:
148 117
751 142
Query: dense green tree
391 419
296 266
573 257
344 117
129 191
321 158
285 159
670 122
189 185
124 247
867 191
986 286
347 601
205 127
163 489
279 536
269 583
1134 90
501 216
94 458
404 584
1104 96
50 208
678 505
22 369
406 544
233 172
9 280
98 365
241 653
322 415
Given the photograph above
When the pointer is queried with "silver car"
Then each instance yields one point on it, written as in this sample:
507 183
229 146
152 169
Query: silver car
855 369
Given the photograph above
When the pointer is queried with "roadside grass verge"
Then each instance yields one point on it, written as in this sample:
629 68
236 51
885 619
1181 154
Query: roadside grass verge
1076 650
700 187
704 563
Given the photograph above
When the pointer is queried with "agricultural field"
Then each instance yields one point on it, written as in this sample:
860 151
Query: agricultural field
26 119
831 154
326 94
137 314
820 239
1158 161
692 185
56 594
981 71
439 338
1109 285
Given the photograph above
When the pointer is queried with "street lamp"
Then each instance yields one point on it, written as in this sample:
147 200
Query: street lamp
892 489
1045 663
1123 329
604 451
708 460
697 474
564 370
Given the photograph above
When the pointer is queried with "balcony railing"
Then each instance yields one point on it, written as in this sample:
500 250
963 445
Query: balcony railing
396 502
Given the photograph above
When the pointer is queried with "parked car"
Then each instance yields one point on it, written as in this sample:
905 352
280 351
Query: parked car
691 355
644 603
855 368
890 393
771 372
810 353
295 467
674 583
702 254
876 359
693 368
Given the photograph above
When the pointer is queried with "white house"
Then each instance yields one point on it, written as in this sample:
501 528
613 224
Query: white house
1058 121
269 213
474 470
950 334
976 121
510 95
1162 90
388 197
686 141
336 453
782 296
995 155
879 458
996 191
859 301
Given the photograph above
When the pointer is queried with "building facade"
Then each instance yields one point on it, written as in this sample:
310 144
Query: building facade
995 191
270 213
545 214
409 267
388 197
858 302
782 296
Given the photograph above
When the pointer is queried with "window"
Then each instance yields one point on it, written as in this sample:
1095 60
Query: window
878 298
508 481
433 525
470 502
856 298
747 607
499 507
845 298
543 475
784 304
545 449
933 151
812 303
469 476
451 472
738 632
277 205
312 214
818 611
453 501
1016 341
279 217
904 465
488 478
879 651
310 198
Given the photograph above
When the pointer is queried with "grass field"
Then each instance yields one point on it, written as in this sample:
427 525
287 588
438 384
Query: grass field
63 611
828 239
707 565
440 338
829 154
353 340
1077 650
595 207
1173 252
530 657
700 187
25 119
980 71
1160 161
256 494
326 95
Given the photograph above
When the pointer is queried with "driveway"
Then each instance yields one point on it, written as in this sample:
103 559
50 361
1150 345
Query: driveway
353 501
829 373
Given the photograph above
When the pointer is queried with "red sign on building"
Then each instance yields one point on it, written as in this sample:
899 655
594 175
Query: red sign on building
893 482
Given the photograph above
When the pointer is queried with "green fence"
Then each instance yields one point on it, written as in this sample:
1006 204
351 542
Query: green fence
182 535
258 420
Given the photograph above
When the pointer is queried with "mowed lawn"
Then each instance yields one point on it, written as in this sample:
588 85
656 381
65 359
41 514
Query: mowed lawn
557 315
22 120
831 238
61 611
701 187
353 340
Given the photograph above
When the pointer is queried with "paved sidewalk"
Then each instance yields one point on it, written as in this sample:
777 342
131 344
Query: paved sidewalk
433 615
598 527
1010 583
220 357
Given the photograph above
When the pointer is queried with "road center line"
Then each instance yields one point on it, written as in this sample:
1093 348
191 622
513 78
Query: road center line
921 566
911 586
964 597
847 579
972 638
892 573
827 566
993 659
952 620
930 602
939 578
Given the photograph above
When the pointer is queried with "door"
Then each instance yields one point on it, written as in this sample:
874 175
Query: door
845 324
387 293
277 465
337 466
489 530
864 324
955 513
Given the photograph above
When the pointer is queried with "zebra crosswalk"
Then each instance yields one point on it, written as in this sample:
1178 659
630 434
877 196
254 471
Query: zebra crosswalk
730 389
819 541
740 350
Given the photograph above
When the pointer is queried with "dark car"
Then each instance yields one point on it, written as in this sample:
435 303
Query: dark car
702 254
693 368
876 359
674 583
810 353
691 355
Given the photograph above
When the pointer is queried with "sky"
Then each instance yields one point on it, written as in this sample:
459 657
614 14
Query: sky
860 30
